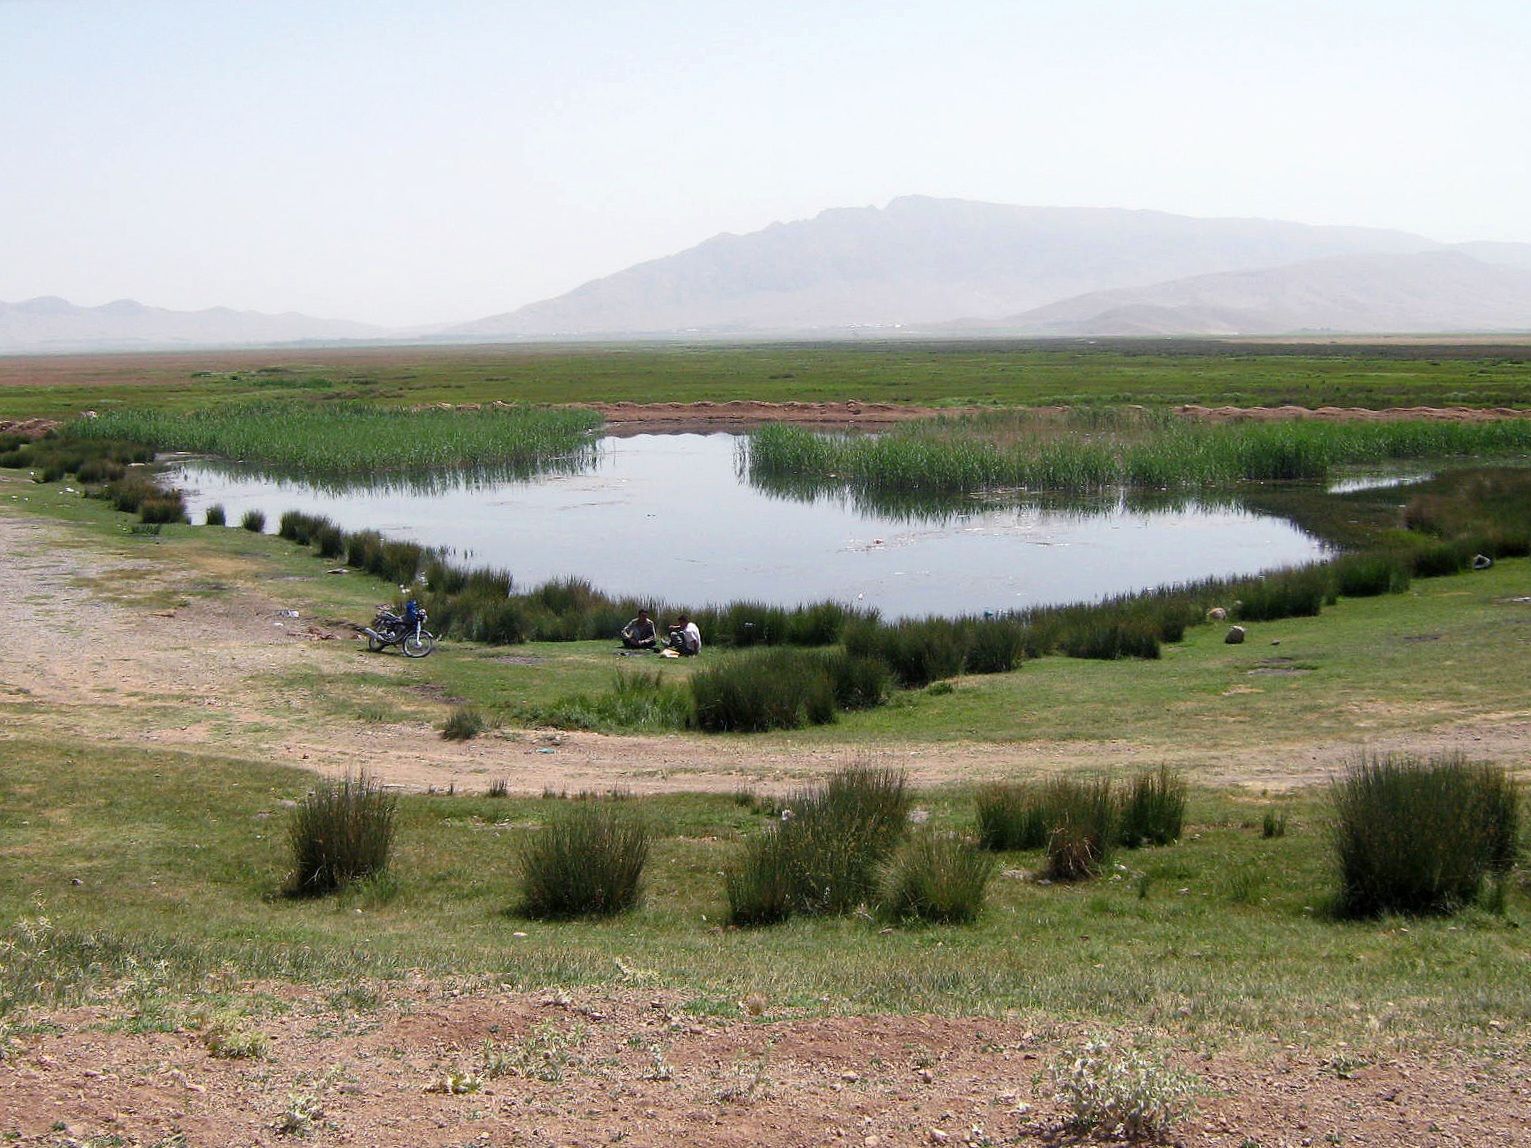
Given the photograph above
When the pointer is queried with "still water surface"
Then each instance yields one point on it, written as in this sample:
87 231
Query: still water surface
669 516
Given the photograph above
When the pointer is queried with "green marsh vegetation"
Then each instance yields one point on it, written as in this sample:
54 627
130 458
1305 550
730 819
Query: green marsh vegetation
586 861
943 373
179 859
1087 450
349 439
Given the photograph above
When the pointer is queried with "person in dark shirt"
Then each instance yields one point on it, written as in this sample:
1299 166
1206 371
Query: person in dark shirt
639 634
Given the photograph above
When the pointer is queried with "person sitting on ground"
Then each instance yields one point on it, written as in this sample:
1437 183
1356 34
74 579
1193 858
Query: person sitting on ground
685 638
639 634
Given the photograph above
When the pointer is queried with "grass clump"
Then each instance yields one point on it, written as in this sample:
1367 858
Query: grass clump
937 877
1011 817
464 723
824 855
1273 824
1082 828
1295 593
1418 836
341 832
215 515
638 701
772 689
587 861
1152 808
254 521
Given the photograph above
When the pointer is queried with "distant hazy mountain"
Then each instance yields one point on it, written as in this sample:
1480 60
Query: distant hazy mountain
1436 291
920 261
48 323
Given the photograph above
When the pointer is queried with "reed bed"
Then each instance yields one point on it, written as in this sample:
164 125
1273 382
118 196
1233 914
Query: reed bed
1024 450
349 439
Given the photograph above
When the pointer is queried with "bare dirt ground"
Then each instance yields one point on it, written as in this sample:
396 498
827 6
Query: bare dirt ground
634 1068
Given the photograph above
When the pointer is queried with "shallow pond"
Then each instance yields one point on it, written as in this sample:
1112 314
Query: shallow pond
669 516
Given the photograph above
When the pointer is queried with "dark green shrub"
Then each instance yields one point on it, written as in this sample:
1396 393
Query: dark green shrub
1298 593
1153 808
817 624
917 651
936 877
1367 575
1082 818
464 723
163 506
1440 559
100 470
1108 638
1418 835
824 855
769 689
857 683
254 521
329 541
586 862
296 526
342 831
995 645
128 493
1273 824
1011 817
744 624
215 515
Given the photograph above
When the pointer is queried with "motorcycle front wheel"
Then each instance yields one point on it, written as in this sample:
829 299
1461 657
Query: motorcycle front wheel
418 645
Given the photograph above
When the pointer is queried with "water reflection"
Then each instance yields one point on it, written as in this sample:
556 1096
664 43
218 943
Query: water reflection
668 515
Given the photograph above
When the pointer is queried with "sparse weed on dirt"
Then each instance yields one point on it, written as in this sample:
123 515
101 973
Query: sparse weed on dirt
1124 1094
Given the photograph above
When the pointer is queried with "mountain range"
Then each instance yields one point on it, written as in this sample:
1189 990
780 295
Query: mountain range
48 323
940 267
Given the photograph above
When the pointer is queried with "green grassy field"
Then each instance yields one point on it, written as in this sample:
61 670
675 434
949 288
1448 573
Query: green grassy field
149 879
959 373
162 870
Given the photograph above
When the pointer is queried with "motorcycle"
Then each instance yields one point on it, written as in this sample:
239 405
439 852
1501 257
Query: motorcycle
407 631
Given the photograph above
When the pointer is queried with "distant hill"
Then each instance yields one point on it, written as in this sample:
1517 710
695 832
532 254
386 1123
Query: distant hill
919 261
1435 291
48 323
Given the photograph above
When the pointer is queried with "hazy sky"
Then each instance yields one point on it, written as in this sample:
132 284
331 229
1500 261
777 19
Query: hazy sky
435 161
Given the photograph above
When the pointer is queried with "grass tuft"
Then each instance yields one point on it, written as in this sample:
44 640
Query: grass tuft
464 723
1418 836
341 832
587 861
823 855
937 877
1153 809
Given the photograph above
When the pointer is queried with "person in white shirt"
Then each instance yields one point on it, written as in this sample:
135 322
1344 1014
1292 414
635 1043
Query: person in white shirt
685 638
